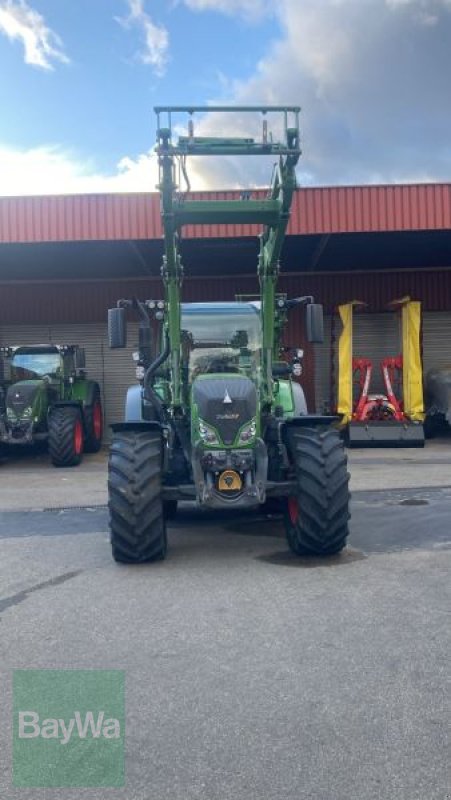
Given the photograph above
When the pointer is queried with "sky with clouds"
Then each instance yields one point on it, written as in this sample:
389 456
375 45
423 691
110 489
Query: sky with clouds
78 81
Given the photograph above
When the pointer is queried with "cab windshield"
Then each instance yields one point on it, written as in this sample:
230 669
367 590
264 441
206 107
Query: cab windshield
32 366
221 340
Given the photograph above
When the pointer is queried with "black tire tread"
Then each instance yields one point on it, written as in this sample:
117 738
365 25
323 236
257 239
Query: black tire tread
323 492
138 531
61 436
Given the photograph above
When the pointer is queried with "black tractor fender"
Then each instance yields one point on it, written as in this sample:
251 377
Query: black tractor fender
136 408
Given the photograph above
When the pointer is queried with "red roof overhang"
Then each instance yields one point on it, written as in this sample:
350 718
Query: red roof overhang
350 209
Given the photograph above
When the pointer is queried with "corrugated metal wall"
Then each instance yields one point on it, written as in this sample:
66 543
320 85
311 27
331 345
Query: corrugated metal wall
352 209
377 289
437 340
78 311
346 209
88 301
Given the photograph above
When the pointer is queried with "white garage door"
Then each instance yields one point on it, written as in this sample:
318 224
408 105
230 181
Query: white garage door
376 336
114 370
436 340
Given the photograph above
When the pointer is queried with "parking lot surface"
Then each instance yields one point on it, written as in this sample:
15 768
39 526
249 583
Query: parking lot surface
249 673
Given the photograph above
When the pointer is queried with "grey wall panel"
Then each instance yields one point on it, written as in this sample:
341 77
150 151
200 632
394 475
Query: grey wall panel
436 339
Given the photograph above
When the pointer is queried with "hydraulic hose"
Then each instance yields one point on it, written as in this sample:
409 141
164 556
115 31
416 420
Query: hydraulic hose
149 392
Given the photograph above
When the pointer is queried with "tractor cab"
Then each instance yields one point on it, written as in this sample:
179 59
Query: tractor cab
220 338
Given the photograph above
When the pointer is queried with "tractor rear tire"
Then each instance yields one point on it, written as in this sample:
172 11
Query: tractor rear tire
137 523
65 436
94 423
316 517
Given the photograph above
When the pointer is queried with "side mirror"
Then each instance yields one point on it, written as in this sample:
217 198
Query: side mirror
80 358
117 328
315 323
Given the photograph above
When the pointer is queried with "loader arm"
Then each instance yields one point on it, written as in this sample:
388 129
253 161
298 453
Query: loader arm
272 213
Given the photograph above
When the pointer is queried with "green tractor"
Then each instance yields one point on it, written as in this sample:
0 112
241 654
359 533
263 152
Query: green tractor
216 416
45 396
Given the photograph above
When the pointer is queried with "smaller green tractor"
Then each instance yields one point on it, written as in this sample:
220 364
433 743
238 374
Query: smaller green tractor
45 396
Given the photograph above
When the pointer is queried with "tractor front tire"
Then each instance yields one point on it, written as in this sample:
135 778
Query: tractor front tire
316 516
137 523
94 423
65 436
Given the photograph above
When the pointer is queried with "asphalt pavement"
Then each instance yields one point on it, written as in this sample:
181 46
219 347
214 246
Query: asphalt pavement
249 673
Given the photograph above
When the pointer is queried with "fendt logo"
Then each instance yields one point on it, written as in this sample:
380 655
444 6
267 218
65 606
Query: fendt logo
31 727
68 728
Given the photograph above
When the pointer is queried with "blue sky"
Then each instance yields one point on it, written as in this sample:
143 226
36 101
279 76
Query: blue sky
78 81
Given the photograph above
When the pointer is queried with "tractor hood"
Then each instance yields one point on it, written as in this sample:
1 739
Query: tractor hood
226 402
20 396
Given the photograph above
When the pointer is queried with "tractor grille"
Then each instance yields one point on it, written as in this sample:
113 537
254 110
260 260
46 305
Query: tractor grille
20 397
209 395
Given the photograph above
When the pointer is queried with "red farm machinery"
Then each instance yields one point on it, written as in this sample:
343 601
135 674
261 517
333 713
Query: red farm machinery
394 416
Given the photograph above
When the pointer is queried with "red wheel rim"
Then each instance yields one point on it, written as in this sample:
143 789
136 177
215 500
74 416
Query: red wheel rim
78 437
293 509
97 420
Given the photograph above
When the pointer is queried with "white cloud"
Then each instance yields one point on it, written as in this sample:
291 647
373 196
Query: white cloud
372 77
42 46
156 37
373 81
51 170
250 9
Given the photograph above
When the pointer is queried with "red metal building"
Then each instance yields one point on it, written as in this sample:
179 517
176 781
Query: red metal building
64 260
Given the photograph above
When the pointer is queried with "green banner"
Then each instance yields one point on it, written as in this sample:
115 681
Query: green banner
68 728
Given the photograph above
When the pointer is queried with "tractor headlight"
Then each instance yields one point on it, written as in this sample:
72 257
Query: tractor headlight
27 412
248 432
207 433
10 413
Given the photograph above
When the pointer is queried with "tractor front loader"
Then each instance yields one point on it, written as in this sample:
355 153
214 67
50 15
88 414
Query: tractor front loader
215 416
47 397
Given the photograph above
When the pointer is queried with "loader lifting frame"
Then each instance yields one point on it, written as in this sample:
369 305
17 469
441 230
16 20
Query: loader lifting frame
273 212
